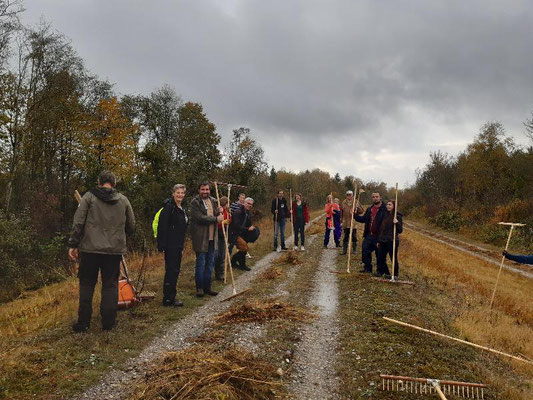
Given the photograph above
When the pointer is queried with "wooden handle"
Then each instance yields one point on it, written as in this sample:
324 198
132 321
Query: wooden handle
457 340
394 234
77 196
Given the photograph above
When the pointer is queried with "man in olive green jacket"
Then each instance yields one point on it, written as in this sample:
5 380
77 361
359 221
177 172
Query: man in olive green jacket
98 238
205 216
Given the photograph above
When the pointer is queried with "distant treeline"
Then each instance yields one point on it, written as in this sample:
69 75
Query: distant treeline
489 182
60 126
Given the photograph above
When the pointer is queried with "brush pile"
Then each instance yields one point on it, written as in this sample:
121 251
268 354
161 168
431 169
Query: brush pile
261 311
271 273
204 372
291 257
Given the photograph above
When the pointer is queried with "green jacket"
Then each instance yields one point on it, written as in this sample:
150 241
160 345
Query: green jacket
200 224
101 222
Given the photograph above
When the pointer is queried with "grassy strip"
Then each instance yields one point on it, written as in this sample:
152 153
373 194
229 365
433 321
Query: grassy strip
42 359
450 296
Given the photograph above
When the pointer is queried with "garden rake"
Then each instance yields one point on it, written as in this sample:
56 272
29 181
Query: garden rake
433 386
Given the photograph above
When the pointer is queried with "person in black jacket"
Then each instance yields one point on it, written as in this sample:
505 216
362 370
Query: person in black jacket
385 239
242 232
372 219
171 231
280 212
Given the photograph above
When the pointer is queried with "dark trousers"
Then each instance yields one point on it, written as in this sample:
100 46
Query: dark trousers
384 249
346 239
109 267
336 237
172 272
299 231
369 246
220 256
204 268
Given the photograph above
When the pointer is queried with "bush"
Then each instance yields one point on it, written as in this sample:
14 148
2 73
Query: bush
449 220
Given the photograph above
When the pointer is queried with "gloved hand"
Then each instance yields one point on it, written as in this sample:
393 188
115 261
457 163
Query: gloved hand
504 253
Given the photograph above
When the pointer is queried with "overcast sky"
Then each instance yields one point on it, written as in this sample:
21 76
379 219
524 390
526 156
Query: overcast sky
366 88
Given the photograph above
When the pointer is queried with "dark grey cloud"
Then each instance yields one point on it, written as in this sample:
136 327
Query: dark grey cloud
358 87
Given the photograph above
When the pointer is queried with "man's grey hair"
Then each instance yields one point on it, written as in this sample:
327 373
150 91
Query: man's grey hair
248 199
178 186
107 177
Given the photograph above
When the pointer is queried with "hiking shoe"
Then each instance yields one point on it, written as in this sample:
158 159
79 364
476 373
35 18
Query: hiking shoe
284 248
199 293
79 327
364 271
108 327
245 268
176 303
211 292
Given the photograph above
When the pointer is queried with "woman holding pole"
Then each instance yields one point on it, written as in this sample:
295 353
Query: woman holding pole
300 215
388 240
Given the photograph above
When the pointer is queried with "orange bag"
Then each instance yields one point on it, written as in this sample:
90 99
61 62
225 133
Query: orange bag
126 294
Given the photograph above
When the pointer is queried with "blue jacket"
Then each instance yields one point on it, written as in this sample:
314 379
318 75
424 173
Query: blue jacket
522 259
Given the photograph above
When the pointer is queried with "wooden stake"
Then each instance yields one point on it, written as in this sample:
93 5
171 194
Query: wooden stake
226 258
457 340
394 235
354 199
512 225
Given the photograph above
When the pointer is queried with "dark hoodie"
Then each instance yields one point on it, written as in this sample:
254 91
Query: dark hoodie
101 222
172 226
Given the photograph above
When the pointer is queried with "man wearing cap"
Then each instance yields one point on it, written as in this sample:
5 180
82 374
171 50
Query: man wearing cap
346 218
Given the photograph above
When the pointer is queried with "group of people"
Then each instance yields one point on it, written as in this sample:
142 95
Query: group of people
378 236
104 218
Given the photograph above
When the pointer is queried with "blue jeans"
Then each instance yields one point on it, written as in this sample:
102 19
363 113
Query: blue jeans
299 230
280 229
204 268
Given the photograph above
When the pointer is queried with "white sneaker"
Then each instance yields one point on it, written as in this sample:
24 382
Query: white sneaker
278 249
302 248
295 248
248 255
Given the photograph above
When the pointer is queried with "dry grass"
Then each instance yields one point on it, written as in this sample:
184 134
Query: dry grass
509 326
291 257
202 372
262 311
316 228
271 273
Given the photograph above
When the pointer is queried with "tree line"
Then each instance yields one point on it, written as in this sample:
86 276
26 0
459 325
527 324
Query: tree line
489 182
60 125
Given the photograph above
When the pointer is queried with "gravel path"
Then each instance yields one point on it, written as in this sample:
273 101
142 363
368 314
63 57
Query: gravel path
314 362
464 247
177 337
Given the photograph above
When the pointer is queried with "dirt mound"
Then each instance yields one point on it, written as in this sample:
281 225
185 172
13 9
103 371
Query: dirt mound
271 273
291 257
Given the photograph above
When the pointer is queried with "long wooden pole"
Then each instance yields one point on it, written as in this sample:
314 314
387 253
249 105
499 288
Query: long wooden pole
226 258
354 199
292 221
226 243
394 235
457 340
503 258
276 221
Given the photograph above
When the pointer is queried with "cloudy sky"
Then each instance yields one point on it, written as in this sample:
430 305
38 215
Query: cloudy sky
366 88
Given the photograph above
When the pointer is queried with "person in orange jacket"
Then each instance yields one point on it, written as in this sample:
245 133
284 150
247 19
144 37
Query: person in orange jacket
331 208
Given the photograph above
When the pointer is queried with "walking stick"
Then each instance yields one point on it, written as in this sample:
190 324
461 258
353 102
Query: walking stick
276 220
292 221
394 235
351 230
512 225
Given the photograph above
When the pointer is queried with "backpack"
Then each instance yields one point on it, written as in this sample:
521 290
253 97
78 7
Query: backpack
155 222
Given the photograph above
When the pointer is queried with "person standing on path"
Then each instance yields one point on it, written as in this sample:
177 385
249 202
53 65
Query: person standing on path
337 231
171 230
241 233
205 216
221 252
385 240
346 221
300 218
372 219
330 209
280 212
98 237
